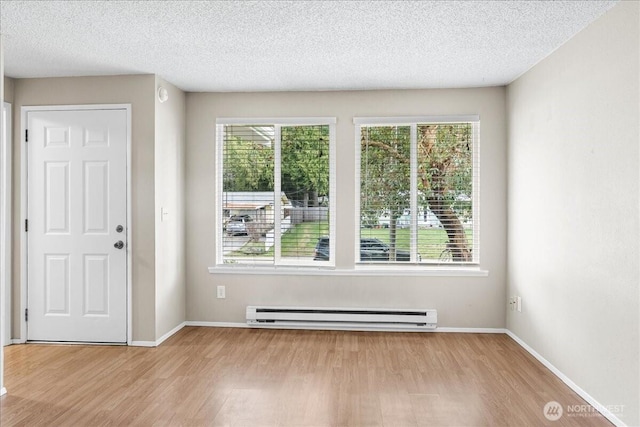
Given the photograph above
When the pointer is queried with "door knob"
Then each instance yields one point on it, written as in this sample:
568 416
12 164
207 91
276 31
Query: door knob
119 244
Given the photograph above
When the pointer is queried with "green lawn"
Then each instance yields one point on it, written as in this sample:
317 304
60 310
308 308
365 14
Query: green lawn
300 241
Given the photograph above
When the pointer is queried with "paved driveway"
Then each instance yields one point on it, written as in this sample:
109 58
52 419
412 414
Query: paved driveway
233 243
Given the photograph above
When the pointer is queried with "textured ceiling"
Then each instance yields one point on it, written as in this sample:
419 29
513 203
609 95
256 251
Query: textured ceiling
291 45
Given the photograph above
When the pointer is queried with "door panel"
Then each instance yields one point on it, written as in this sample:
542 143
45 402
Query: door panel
77 278
96 197
56 189
56 282
96 285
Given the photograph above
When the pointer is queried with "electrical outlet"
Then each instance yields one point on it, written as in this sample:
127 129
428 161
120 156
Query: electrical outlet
519 304
221 292
512 303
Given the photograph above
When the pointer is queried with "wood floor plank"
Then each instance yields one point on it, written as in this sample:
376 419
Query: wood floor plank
248 377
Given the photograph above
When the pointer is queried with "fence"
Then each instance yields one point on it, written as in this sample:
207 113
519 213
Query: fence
309 214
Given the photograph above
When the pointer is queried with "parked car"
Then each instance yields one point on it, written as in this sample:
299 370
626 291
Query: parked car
236 226
322 249
371 249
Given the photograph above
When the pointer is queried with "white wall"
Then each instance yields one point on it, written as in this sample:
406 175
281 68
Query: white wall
8 89
461 301
573 246
169 198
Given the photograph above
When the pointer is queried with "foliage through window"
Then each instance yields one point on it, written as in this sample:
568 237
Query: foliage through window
275 191
418 190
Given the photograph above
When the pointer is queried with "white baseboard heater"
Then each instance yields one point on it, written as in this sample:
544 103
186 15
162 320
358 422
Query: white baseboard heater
341 318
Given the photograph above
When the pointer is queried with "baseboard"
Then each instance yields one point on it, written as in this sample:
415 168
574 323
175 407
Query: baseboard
216 324
573 386
159 340
320 327
18 341
470 330
334 327
170 333
3 391
143 344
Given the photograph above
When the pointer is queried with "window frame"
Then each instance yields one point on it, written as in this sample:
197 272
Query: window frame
413 122
277 123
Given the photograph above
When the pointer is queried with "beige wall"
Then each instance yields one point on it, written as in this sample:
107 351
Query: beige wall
169 197
461 301
139 91
8 89
574 209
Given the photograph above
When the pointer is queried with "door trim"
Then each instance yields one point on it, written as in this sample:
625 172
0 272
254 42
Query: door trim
24 211
6 141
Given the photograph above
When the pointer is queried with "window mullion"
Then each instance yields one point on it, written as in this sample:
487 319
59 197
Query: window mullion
358 194
332 193
218 213
277 199
413 241
475 192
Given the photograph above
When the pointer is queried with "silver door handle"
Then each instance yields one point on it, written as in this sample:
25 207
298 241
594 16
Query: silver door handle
119 244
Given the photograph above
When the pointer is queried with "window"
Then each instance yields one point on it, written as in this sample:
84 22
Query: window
275 191
418 193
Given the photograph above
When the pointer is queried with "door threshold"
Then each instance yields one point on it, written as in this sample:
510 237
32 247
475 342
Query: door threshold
76 343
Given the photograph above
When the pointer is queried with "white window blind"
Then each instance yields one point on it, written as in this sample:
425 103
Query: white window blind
418 193
276 185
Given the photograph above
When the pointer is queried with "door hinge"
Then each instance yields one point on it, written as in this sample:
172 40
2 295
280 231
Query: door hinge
26 135
26 225
26 314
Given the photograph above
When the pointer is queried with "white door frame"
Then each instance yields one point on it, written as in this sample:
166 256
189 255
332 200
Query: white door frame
5 225
23 207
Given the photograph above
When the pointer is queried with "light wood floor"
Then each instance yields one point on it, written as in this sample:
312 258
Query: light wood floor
248 377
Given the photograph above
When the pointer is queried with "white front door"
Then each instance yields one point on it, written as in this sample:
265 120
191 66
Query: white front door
77 213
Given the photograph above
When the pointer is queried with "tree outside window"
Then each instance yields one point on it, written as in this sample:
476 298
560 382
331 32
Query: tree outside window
417 190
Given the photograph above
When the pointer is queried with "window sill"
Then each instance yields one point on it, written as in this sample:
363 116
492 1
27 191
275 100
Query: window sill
360 270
